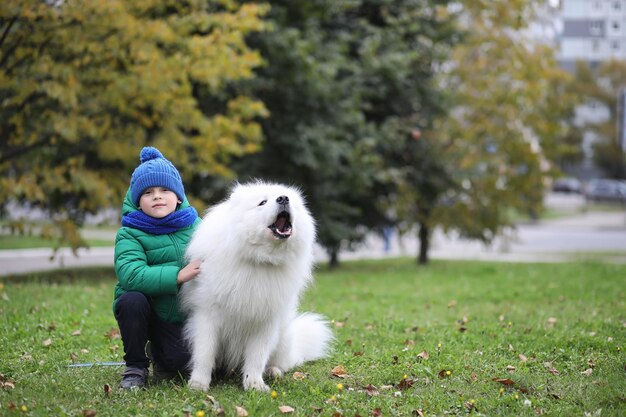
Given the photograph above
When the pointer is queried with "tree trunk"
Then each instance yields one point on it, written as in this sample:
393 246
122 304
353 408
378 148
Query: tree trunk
334 259
424 237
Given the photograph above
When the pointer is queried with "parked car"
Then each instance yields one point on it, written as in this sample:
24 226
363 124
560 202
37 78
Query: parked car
567 185
606 190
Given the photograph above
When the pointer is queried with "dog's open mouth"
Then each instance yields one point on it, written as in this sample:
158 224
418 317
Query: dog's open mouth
282 226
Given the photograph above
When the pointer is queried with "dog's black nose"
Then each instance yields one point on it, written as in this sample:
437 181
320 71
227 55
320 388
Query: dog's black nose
283 200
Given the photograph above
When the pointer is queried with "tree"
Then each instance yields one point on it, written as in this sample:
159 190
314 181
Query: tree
342 79
603 87
85 84
508 120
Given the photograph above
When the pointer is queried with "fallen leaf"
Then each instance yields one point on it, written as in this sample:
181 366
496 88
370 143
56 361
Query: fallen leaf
113 333
47 342
504 381
553 371
339 371
591 363
107 389
462 329
76 333
452 303
6 382
587 372
409 342
423 355
552 321
418 413
377 412
358 353
285 409
444 373
523 358
241 412
510 369
371 390
405 384
89 413
299 376
470 405
339 324
73 357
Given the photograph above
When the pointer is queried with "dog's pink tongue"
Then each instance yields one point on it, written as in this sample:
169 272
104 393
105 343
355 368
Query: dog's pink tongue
280 223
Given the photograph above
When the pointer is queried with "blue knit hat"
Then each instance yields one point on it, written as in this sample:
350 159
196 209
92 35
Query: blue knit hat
155 171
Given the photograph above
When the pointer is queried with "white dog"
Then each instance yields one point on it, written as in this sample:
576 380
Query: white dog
257 252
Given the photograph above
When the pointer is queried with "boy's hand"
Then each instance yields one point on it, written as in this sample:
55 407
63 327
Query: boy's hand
189 272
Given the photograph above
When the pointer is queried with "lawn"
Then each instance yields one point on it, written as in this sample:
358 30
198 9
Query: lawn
453 338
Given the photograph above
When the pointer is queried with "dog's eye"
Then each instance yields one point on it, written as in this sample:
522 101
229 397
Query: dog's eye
262 202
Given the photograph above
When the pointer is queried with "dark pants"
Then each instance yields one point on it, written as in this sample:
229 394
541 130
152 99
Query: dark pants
139 323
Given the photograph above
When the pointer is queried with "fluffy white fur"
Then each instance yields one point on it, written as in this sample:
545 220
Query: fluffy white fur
243 305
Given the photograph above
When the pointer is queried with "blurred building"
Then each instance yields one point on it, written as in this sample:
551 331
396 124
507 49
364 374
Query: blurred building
592 31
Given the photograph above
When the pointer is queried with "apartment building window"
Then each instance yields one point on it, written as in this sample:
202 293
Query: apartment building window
595 28
595 46
615 26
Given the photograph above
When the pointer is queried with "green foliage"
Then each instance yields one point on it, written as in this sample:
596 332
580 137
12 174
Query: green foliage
602 87
344 82
85 84
474 320
510 116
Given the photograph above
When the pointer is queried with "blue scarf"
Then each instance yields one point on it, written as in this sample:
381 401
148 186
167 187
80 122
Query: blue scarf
168 224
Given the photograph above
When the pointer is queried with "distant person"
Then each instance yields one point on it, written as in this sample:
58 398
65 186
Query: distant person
157 224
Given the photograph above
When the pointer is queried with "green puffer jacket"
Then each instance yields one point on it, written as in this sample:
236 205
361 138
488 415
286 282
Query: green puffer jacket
150 264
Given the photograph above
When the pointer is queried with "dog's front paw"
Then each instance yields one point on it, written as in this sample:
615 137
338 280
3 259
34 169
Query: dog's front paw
256 384
274 372
201 384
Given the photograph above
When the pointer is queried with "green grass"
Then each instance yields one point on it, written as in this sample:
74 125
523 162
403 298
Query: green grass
474 320
30 242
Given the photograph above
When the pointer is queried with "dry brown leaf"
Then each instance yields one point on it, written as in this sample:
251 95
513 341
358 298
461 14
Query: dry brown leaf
241 412
553 371
423 355
285 409
587 372
359 353
405 384
107 389
47 342
89 413
523 358
409 342
552 321
504 381
339 371
510 369
377 412
6 382
113 333
299 376
371 390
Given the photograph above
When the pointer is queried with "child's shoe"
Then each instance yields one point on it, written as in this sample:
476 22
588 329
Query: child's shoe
134 378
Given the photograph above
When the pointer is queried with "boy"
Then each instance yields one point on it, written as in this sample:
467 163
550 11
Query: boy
157 224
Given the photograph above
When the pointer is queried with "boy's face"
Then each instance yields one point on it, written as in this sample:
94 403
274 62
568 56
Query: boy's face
158 202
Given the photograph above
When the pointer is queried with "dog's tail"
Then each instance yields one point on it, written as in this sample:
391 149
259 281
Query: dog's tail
308 338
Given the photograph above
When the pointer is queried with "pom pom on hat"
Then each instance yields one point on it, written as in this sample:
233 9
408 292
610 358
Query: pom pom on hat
155 171
149 153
